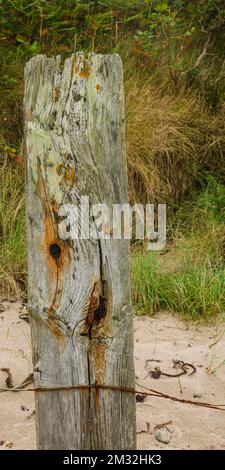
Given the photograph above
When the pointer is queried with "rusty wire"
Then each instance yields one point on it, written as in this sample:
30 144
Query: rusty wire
150 392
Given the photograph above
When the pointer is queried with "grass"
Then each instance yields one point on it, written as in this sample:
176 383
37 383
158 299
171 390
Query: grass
173 141
193 293
13 275
190 277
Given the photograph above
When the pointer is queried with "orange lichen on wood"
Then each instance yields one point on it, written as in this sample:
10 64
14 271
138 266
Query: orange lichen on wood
85 73
56 264
68 173
70 176
98 87
60 167
56 94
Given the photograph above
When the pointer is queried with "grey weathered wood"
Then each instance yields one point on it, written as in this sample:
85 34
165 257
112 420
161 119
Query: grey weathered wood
74 134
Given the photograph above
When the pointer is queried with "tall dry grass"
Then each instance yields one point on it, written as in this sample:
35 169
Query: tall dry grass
173 141
13 270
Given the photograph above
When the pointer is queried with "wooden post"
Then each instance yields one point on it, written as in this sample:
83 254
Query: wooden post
79 290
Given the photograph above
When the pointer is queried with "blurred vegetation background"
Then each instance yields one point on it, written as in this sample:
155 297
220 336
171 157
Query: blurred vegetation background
174 71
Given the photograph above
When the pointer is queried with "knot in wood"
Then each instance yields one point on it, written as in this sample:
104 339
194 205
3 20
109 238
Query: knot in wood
55 250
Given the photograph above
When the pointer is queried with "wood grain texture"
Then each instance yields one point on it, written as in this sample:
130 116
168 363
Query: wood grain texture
74 134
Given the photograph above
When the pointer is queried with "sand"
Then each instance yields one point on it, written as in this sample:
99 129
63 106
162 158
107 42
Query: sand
160 340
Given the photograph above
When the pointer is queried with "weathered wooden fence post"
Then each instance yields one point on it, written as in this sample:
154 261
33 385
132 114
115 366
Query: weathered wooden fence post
79 290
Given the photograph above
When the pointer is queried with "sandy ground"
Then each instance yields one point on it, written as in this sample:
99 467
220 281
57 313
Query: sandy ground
158 340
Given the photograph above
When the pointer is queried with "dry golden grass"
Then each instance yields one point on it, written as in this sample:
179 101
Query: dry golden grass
13 270
171 141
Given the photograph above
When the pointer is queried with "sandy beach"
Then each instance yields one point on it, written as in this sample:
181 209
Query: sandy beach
159 342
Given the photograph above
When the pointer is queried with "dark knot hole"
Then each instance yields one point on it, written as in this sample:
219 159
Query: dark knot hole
55 250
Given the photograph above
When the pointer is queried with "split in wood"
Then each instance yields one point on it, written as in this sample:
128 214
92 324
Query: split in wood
97 308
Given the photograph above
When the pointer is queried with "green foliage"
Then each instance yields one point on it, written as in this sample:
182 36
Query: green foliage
212 201
194 293
190 278
183 40
49 21
205 210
